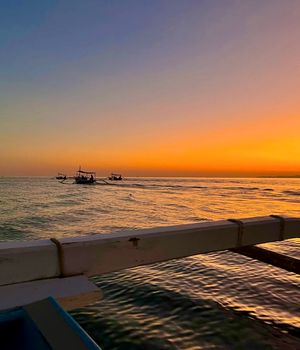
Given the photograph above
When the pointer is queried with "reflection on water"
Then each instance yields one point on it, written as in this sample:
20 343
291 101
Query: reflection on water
218 300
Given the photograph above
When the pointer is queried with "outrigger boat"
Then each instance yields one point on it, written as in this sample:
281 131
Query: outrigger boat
85 177
115 177
61 176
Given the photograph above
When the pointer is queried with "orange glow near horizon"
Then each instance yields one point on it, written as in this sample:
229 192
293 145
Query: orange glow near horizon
188 90
241 150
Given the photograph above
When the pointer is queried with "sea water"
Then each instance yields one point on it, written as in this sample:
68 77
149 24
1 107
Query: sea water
210 301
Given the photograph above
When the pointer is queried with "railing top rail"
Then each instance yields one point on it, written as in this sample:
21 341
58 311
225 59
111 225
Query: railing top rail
102 253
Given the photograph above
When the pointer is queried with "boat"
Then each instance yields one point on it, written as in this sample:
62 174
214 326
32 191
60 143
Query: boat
42 325
85 177
61 176
115 177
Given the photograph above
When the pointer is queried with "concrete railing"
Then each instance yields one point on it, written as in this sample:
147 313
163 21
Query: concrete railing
102 253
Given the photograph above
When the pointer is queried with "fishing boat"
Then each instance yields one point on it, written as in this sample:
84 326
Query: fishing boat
61 176
85 177
115 177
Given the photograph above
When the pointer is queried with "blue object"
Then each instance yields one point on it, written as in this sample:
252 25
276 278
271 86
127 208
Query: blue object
42 325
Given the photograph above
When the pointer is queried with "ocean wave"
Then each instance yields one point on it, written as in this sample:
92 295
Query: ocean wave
242 188
292 193
197 218
9 232
215 300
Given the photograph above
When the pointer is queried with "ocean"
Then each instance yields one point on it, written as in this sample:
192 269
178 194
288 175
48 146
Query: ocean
211 301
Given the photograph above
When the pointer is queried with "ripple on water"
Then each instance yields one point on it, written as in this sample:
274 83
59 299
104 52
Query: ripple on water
211 301
138 297
292 193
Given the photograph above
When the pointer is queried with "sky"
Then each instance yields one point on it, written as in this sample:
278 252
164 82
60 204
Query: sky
150 88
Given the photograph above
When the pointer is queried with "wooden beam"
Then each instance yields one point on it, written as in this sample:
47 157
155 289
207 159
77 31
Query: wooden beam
71 292
276 259
27 260
102 253
92 255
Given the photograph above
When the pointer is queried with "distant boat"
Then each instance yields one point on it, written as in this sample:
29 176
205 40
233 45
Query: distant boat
115 177
85 177
61 176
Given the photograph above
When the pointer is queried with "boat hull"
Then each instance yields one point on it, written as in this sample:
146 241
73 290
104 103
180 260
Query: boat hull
42 325
81 181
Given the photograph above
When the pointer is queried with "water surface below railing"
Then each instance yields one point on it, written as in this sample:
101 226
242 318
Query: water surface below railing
216 300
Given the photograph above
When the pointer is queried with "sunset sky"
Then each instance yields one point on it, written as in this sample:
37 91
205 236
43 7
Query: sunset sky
150 88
